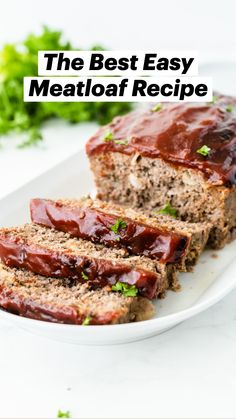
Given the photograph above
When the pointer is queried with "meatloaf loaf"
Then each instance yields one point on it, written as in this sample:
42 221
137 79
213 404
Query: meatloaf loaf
159 237
49 299
183 154
53 253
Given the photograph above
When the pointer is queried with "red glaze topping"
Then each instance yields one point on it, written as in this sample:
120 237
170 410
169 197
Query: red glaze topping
92 224
99 272
17 304
175 133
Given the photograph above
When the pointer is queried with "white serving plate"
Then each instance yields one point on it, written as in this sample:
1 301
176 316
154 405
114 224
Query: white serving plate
213 278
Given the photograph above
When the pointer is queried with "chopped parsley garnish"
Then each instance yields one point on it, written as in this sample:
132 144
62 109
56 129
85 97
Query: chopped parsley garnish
119 225
87 321
121 142
157 107
229 108
125 289
61 414
214 100
108 137
84 276
204 150
168 210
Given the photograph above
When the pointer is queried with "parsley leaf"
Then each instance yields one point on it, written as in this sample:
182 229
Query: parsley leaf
108 137
119 225
87 321
229 108
204 150
214 100
121 142
125 289
84 276
157 107
61 414
168 210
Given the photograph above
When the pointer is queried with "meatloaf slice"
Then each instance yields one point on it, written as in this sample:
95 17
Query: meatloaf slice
52 253
112 226
184 154
52 300
159 238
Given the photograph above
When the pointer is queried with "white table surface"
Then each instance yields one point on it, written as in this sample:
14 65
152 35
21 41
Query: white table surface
19 166
187 372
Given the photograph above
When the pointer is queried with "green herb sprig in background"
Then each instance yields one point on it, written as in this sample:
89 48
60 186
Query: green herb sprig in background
20 60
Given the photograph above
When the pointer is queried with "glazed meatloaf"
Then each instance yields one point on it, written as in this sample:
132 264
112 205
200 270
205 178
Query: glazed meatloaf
52 300
159 237
52 253
183 154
